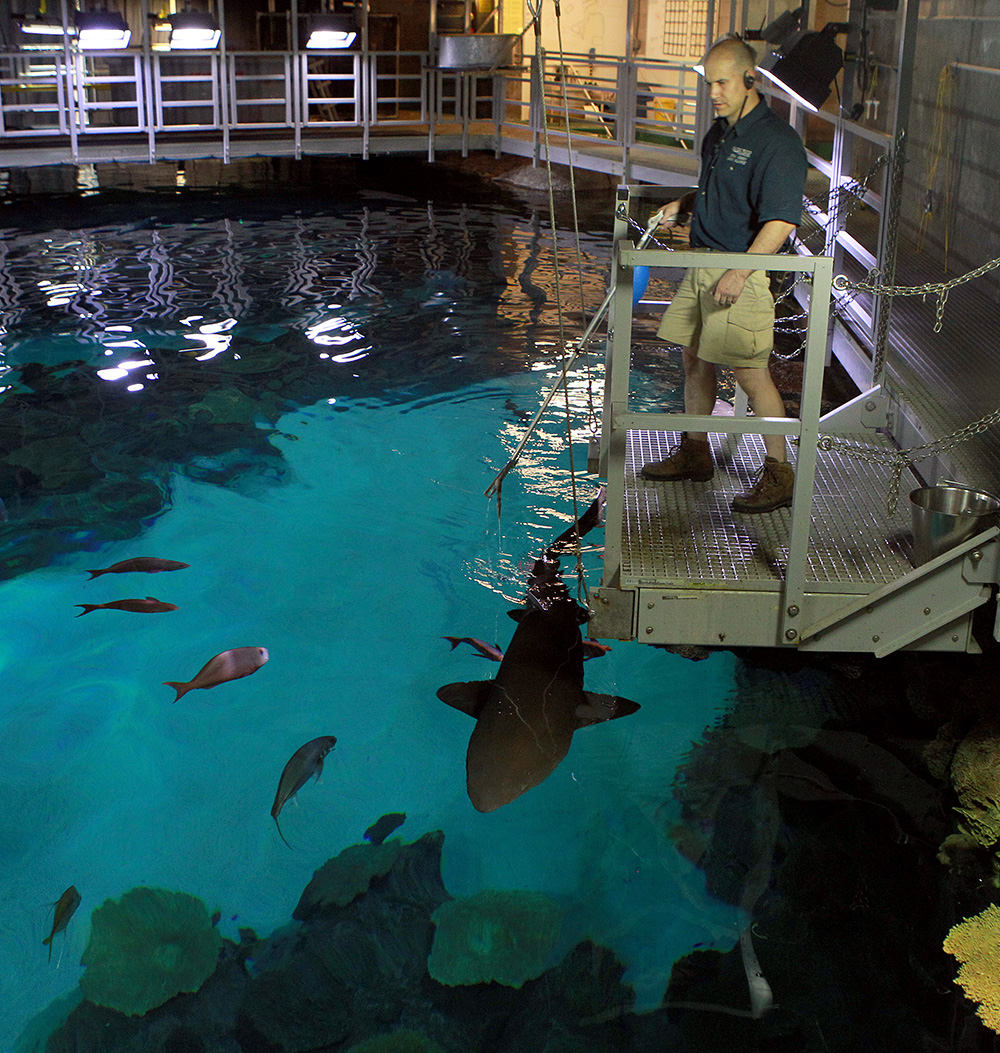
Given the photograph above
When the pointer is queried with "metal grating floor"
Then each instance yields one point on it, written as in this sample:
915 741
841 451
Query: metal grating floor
684 532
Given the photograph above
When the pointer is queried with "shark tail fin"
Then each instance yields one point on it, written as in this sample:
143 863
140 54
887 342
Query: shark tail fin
583 525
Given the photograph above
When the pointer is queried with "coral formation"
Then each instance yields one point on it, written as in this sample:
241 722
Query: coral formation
147 947
975 942
345 877
976 779
502 936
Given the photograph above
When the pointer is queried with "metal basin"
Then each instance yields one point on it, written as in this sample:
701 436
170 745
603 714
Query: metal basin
944 516
474 50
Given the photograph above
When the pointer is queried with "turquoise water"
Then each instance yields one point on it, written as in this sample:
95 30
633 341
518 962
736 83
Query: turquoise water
306 407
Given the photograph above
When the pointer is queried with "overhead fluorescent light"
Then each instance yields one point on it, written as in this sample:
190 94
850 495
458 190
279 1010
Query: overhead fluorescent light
42 26
102 30
193 31
331 31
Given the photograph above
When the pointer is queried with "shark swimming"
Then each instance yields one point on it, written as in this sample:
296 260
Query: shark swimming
526 717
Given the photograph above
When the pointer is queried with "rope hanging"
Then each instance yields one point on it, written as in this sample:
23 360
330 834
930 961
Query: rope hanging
535 10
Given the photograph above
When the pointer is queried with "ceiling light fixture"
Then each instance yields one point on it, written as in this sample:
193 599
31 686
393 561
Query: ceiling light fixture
193 31
102 30
331 31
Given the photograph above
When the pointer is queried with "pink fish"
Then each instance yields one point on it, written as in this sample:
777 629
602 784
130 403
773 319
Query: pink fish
229 665
593 648
305 762
65 909
141 564
150 605
490 651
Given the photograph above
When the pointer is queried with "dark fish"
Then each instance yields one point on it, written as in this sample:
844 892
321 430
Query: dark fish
382 828
142 564
150 605
526 717
490 651
65 908
305 762
229 665
512 407
593 649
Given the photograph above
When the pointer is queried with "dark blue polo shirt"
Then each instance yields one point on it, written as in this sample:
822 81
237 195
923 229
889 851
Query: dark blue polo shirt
751 172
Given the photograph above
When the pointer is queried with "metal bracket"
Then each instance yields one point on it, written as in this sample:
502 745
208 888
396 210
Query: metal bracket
612 614
930 598
869 410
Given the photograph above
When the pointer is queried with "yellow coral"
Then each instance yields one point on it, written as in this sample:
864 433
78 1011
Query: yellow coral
975 942
976 778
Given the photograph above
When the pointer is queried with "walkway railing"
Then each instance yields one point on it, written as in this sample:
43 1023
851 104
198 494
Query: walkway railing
75 95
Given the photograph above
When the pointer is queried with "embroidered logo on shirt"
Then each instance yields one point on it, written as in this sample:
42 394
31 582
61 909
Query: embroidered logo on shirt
739 155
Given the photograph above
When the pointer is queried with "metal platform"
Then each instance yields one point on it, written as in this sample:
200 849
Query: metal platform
685 533
835 572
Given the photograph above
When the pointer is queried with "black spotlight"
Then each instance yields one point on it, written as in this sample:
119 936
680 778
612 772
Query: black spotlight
808 70
780 31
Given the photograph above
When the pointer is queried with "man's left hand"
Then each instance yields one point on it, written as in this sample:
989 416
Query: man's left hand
729 286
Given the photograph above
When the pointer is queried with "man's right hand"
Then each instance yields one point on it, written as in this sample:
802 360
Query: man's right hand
668 214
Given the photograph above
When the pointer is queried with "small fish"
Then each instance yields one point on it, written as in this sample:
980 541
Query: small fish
141 564
511 406
229 665
490 651
65 908
305 762
382 828
150 605
593 649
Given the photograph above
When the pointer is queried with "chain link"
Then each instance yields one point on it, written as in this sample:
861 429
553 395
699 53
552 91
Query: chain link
872 284
900 460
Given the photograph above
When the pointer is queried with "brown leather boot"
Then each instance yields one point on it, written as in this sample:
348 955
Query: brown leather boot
690 459
772 488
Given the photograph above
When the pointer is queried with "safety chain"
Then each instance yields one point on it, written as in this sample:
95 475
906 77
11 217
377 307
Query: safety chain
939 289
903 459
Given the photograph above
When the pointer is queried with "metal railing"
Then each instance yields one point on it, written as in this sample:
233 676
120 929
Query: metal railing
604 99
619 417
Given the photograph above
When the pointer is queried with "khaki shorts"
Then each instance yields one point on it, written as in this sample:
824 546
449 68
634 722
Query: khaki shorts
740 335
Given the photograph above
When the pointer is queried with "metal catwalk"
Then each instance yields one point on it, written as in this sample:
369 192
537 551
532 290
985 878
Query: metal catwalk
686 532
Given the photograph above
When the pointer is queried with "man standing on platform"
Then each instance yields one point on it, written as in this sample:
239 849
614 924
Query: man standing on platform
749 199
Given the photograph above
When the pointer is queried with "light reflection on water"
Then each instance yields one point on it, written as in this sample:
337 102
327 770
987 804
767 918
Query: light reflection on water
388 304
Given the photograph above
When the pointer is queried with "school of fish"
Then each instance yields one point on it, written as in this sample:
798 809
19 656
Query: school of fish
525 718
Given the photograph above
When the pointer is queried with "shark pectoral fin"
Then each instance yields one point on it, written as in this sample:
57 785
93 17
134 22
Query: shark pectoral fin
597 708
518 614
468 697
